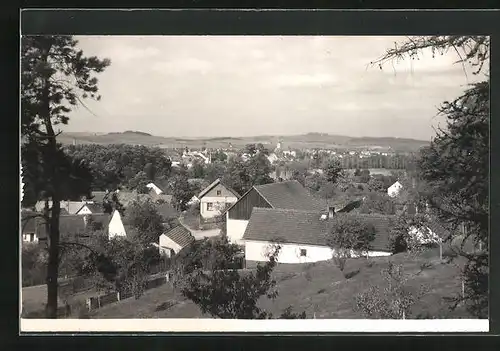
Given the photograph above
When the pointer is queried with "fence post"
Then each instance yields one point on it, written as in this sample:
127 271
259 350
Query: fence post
98 301
440 251
118 296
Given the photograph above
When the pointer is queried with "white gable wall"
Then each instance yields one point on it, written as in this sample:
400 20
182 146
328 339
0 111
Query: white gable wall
394 189
116 227
166 243
84 211
218 204
235 228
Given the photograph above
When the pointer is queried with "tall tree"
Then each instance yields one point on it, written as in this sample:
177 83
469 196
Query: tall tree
456 165
144 216
55 76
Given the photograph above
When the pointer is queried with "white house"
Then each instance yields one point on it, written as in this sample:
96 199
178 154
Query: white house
154 188
173 241
90 208
394 189
284 195
302 236
215 198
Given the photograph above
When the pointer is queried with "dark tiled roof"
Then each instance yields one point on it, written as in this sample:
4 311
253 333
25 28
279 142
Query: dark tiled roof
305 227
180 235
75 224
285 225
439 229
214 184
289 195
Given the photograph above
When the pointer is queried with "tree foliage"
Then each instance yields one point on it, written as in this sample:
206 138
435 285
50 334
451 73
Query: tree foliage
232 294
55 77
208 254
120 165
349 235
144 217
242 175
456 165
181 190
392 301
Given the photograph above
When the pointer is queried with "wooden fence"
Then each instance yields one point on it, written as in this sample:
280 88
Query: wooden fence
99 301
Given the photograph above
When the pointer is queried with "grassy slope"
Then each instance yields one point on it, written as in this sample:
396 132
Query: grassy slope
318 289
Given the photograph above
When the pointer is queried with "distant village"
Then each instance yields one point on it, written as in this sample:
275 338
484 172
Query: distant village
281 208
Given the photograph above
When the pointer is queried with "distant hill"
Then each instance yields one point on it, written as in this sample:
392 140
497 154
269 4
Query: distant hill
130 132
309 140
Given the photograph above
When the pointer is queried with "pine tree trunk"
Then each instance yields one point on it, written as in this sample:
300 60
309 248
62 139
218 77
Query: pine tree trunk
53 265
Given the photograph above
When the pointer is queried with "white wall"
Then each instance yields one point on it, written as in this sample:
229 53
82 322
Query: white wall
290 253
167 243
116 227
394 189
27 238
218 204
235 228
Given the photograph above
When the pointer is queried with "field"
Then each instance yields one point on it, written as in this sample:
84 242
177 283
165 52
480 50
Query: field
304 141
318 289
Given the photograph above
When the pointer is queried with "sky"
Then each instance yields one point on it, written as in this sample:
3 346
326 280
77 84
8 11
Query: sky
212 86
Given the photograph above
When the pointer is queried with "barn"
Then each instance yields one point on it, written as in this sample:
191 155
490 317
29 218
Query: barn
284 195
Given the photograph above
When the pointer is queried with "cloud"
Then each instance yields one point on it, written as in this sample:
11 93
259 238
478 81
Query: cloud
171 85
182 66
304 80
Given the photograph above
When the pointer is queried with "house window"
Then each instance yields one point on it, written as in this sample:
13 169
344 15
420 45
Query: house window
219 192
303 252
29 237
210 206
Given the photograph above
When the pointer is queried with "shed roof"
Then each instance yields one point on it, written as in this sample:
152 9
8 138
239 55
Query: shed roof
180 235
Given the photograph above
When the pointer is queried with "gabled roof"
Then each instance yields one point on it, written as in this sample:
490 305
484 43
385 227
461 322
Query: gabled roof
75 224
180 235
305 227
93 207
286 225
289 195
213 185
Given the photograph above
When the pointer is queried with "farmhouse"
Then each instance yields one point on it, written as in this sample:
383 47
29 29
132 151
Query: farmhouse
394 189
172 242
90 208
302 235
70 226
215 198
284 195
71 207
30 224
